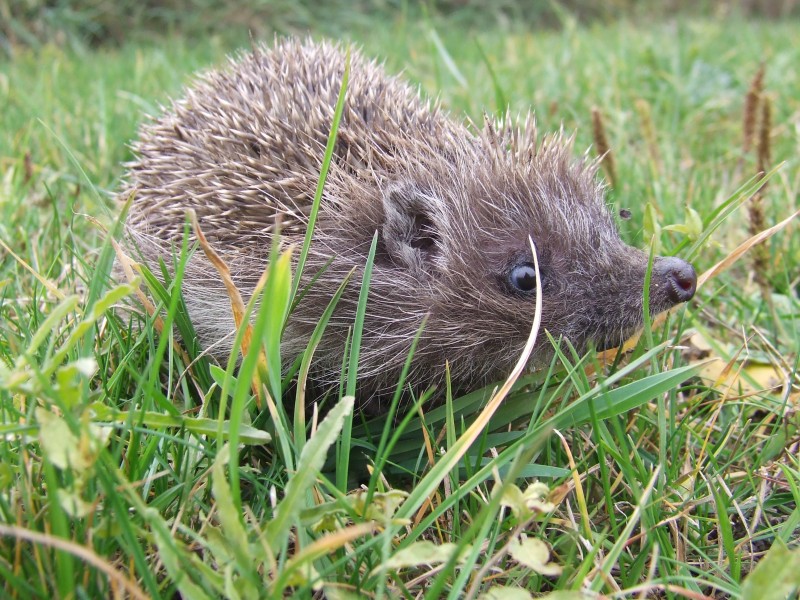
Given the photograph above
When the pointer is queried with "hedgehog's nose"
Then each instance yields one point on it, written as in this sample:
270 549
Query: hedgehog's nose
677 276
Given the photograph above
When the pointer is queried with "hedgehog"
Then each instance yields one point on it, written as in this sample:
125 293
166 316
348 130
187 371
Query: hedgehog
454 207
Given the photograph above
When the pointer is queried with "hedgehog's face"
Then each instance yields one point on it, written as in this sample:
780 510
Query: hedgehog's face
470 253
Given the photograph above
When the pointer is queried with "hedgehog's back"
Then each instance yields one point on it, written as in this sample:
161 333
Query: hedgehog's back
245 144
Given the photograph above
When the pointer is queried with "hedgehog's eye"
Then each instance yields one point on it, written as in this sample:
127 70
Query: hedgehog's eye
523 277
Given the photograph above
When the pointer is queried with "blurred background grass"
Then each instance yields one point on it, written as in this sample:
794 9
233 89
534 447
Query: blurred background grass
100 22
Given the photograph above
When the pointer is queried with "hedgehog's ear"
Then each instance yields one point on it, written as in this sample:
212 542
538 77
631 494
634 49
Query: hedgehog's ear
410 232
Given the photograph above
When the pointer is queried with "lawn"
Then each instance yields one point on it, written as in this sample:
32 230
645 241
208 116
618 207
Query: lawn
669 471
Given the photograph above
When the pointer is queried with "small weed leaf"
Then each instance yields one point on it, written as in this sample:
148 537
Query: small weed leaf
59 445
776 577
70 378
110 298
219 375
534 554
299 575
59 313
526 505
381 508
692 227
694 224
423 553
69 452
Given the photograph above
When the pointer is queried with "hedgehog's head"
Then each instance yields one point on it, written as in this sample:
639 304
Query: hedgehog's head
457 234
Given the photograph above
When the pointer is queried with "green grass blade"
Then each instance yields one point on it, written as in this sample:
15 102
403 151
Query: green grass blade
305 365
625 398
343 457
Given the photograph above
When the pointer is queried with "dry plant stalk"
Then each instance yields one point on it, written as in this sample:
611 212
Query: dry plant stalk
603 147
751 101
764 152
649 132
27 165
755 211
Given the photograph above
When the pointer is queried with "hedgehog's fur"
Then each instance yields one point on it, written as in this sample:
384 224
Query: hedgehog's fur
453 207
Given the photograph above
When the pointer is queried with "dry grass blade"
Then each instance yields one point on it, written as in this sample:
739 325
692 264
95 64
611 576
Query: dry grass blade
522 363
238 308
576 479
333 541
651 588
742 248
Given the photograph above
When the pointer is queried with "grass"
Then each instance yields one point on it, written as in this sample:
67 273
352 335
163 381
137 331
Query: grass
120 471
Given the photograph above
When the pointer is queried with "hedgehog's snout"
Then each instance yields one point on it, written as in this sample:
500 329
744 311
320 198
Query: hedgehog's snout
672 282
676 277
